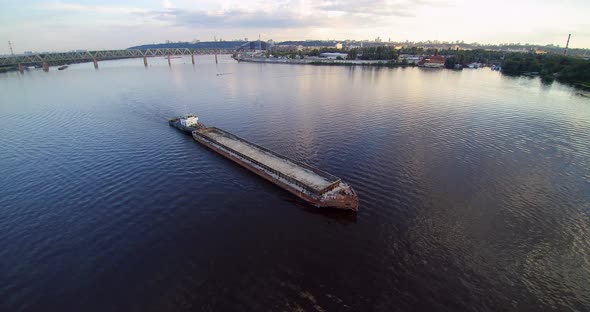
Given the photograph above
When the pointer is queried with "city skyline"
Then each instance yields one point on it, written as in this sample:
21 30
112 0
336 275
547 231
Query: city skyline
89 24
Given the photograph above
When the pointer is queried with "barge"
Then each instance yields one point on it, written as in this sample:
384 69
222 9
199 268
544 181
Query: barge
310 184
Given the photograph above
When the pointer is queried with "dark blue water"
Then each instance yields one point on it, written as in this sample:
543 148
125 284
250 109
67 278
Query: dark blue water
474 190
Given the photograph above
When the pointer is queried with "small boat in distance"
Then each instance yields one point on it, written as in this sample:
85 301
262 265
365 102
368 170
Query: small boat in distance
187 123
62 67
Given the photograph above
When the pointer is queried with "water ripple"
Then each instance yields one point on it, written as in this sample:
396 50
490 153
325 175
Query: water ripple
473 190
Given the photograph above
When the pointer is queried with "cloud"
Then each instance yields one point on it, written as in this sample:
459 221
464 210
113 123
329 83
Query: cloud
167 4
399 8
286 14
62 6
232 18
367 7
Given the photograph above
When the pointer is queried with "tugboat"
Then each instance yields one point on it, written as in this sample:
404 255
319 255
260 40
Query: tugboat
187 123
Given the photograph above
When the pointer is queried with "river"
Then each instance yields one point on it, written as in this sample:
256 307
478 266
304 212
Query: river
474 190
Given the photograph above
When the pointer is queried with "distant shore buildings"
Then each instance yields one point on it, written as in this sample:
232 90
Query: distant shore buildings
410 59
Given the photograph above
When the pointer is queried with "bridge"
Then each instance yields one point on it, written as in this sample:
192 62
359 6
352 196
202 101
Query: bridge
94 56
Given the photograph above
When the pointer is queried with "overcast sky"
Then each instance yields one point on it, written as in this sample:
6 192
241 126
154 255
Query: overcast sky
113 24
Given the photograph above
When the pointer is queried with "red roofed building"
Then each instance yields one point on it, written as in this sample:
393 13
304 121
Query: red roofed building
436 61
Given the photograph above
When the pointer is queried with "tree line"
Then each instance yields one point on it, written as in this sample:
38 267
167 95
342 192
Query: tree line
465 57
564 68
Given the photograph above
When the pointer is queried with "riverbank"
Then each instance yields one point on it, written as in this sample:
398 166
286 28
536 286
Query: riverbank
316 61
565 75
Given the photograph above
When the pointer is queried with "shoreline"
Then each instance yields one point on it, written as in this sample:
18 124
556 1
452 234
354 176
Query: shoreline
320 62
384 63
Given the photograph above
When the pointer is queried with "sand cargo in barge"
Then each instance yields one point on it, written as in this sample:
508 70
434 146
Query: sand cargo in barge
313 185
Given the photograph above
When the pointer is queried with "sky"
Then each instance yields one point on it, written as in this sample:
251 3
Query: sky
64 25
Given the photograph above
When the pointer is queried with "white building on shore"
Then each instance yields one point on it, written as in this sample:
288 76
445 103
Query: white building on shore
333 56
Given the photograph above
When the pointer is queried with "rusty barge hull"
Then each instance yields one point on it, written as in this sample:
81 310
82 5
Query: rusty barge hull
312 185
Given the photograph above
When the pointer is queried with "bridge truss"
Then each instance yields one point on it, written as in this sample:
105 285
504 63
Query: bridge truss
77 57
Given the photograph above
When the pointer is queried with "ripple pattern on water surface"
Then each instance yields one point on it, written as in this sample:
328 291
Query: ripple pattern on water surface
473 190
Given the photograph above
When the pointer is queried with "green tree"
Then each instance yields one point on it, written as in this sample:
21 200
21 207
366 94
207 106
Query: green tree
450 62
314 52
353 53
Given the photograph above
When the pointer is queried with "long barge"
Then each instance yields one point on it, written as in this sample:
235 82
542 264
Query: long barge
312 185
